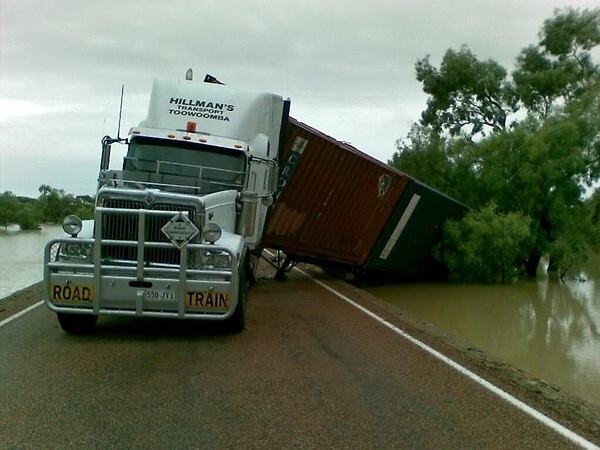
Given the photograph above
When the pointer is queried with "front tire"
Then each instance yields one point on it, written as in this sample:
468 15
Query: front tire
77 323
237 321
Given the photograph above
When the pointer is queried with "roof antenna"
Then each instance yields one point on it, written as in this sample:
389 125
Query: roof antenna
189 75
120 112
107 140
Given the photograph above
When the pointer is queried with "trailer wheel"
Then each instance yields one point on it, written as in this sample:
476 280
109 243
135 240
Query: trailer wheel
77 323
237 322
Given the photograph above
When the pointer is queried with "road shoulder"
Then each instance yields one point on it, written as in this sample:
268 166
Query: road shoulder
18 301
573 412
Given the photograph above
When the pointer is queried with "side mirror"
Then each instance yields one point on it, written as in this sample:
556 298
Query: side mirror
105 158
247 220
274 181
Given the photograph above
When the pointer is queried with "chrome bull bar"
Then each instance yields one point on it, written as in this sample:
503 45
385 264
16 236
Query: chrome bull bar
112 281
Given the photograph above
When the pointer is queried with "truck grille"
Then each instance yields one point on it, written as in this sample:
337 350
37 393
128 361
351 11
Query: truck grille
125 227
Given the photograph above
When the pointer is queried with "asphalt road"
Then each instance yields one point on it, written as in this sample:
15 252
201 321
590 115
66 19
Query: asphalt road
309 371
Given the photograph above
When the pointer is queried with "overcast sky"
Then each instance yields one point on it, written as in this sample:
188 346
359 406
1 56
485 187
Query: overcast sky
347 65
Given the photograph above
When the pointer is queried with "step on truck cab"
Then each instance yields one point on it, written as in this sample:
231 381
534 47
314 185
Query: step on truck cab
177 231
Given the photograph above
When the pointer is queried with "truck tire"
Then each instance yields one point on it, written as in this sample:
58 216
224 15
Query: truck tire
237 322
77 323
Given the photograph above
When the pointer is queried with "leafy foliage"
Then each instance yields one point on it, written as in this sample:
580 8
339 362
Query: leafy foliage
538 167
28 218
9 205
560 66
55 204
465 92
51 207
486 245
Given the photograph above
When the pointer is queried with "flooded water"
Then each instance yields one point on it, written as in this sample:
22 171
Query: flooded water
21 256
548 328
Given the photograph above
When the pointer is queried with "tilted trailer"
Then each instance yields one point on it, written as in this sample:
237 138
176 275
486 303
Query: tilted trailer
344 210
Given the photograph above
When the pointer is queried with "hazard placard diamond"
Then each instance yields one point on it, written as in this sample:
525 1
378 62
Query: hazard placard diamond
180 230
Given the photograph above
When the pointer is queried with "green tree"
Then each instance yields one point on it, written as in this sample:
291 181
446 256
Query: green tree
28 217
474 97
486 245
424 155
585 113
55 204
465 94
51 203
443 163
9 206
538 167
560 66
51 207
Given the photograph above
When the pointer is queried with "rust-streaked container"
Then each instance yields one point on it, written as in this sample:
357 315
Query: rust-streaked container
334 199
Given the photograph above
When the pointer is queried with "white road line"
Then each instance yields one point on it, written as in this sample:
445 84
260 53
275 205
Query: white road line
572 436
20 313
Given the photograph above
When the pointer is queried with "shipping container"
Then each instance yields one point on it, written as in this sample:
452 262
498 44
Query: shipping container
338 207
405 247
334 200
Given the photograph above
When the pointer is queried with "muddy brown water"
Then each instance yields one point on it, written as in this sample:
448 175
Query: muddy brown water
549 328
22 255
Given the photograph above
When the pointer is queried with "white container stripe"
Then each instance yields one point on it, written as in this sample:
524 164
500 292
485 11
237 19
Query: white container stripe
572 436
412 204
20 313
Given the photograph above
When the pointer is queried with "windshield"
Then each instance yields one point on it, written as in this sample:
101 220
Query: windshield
185 163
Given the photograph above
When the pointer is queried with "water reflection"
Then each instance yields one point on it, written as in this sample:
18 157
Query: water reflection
21 256
548 328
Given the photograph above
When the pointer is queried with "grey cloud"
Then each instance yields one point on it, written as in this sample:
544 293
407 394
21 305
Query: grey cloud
347 65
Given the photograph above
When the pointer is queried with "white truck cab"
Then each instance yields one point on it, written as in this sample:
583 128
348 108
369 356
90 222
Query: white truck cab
176 231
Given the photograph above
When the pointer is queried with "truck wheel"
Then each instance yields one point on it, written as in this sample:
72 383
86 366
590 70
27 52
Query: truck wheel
237 321
77 323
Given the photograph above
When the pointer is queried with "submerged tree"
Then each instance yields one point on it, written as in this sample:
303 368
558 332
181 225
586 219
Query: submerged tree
55 204
28 217
50 207
486 245
9 206
537 167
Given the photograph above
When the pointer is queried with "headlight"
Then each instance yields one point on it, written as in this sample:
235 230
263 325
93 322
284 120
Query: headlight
75 252
215 259
212 232
72 225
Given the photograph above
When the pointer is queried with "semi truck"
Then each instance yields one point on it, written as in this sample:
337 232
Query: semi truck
177 229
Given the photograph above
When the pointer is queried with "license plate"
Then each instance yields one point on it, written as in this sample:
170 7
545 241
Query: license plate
160 294
216 301
72 293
